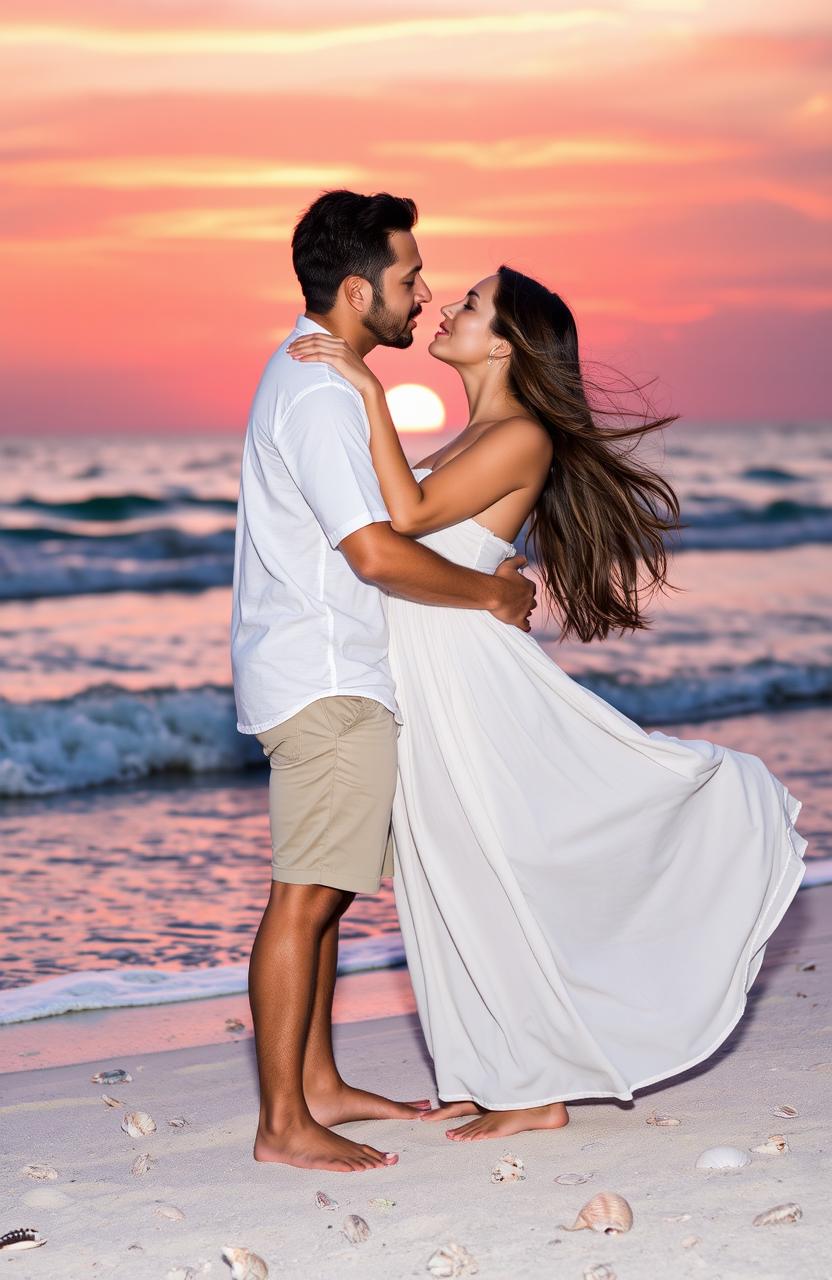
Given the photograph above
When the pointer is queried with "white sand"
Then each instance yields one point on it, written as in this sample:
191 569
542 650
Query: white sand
781 1052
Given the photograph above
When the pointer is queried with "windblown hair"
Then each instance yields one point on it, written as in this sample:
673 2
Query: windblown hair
598 524
345 234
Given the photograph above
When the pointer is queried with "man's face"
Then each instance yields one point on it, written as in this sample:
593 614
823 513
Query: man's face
392 316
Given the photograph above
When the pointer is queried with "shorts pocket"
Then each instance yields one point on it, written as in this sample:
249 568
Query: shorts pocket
342 712
281 744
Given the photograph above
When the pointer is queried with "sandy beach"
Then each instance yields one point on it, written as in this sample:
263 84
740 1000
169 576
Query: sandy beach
101 1219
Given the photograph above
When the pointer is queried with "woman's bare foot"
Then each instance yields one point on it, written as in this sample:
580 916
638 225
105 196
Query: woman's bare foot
502 1124
308 1145
340 1103
450 1110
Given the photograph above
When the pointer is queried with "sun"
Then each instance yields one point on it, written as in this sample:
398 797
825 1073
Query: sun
414 407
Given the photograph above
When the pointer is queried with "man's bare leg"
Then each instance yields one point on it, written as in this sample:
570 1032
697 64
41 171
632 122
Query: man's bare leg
282 975
329 1098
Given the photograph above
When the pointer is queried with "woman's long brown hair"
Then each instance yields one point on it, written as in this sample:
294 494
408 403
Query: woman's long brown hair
597 526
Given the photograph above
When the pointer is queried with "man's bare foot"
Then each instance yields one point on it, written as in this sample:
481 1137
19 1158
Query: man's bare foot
450 1110
308 1145
502 1124
340 1103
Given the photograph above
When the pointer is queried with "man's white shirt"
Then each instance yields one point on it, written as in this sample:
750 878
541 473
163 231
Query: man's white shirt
304 625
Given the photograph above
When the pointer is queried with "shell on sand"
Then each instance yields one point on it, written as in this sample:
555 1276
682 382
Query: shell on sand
41 1172
323 1201
785 1112
452 1260
178 1122
601 1271
662 1121
780 1213
138 1124
723 1158
21 1238
573 1179
141 1164
689 1241
509 1168
805 966
355 1228
116 1076
110 1101
774 1145
382 1204
170 1212
234 1024
606 1212
244 1264
676 1217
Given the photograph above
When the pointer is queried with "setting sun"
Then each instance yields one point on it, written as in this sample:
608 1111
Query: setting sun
414 407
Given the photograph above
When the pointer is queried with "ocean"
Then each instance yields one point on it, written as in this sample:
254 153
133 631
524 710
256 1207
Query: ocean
133 816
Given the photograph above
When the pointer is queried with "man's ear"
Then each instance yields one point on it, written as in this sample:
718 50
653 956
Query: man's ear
358 293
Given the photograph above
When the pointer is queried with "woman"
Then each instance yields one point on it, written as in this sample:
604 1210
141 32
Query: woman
584 905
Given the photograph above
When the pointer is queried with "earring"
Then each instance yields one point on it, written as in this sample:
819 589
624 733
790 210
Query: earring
491 355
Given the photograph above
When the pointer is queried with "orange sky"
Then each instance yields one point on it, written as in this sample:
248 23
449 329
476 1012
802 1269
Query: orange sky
663 166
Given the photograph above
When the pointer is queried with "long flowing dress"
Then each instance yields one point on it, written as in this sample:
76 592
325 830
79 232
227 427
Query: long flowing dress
584 904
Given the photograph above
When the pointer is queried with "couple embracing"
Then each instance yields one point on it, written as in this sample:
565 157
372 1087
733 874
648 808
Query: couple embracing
584 905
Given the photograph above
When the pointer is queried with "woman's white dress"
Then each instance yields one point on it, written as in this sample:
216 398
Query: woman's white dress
584 905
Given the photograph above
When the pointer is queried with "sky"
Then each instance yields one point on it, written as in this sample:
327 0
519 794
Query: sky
663 166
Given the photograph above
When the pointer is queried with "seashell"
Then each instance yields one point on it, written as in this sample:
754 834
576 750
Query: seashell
111 1102
382 1204
323 1201
138 1124
169 1211
178 1122
40 1172
355 1229
117 1076
509 1168
141 1164
780 1213
803 968
244 1264
601 1271
21 1238
690 1241
785 1111
606 1212
723 1158
775 1145
662 1121
234 1024
677 1217
452 1260
573 1179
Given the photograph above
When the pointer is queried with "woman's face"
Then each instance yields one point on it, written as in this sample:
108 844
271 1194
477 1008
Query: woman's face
465 335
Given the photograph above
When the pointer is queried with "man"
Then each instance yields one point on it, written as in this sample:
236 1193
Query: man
314 555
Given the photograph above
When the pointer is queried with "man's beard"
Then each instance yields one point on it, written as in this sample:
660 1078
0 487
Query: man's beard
386 328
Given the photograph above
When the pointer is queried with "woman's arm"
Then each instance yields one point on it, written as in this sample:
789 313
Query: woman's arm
505 458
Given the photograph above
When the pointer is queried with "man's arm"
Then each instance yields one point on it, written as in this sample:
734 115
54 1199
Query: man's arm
405 568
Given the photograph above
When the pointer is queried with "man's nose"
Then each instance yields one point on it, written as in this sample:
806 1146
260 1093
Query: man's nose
424 294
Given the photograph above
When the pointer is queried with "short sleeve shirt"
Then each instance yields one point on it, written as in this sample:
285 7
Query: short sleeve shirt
304 625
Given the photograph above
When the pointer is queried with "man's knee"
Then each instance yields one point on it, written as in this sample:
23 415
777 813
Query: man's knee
310 905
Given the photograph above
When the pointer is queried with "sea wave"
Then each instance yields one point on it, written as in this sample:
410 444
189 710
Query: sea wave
123 988
64 553
111 735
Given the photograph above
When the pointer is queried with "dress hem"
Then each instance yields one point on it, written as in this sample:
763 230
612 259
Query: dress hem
797 845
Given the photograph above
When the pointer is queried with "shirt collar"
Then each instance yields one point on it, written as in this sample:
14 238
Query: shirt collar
305 325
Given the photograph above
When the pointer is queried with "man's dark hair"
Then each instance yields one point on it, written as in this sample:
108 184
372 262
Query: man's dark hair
346 234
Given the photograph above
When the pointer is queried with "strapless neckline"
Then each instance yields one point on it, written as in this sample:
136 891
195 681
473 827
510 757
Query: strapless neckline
471 519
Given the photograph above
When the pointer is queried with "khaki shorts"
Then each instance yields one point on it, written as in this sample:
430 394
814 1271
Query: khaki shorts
331 788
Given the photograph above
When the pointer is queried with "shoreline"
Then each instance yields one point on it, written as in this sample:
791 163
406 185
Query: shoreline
101 1218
